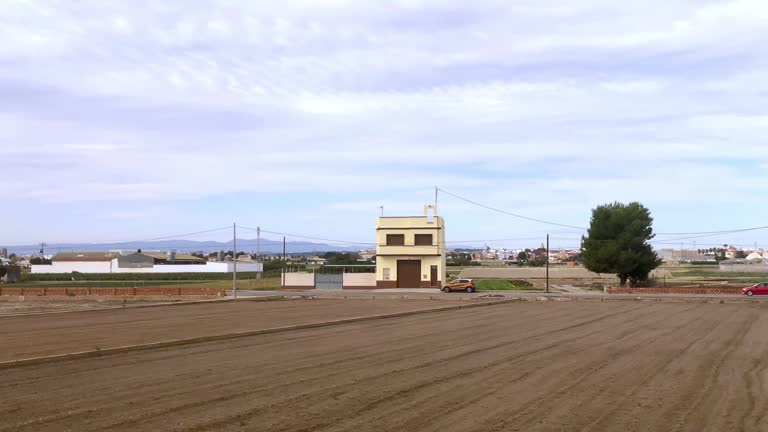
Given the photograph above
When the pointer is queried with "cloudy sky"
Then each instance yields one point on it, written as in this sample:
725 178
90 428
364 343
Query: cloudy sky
132 120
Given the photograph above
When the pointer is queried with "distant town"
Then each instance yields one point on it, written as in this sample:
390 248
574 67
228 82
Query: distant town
44 262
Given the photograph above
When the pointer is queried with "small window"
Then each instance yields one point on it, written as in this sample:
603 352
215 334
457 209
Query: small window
395 239
423 240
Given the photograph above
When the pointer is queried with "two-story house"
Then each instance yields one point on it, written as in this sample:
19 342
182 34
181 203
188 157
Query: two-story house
410 251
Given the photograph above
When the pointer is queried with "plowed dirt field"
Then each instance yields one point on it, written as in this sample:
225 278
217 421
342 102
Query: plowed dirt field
524 366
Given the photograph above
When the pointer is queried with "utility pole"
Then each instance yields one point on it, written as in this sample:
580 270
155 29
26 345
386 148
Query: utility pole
258 252
382 210
284 261
258 243
547 263
435 198
234 260
42 248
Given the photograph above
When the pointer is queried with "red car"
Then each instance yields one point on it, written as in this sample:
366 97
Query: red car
756 289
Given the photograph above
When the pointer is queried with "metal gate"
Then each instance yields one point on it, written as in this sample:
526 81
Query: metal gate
329 280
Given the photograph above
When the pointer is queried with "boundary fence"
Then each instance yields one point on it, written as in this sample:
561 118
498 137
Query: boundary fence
120 292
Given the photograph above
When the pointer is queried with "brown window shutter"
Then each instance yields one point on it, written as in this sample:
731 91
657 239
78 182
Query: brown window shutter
423 240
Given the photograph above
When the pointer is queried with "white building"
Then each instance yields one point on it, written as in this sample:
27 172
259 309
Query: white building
111 262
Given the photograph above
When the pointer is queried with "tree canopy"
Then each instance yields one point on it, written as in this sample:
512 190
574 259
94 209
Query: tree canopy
617 242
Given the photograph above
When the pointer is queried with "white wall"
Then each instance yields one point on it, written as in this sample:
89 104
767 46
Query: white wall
300 279
359 280
76 266
111 267
209 267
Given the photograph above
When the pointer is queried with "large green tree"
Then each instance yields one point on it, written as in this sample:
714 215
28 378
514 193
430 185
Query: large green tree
617 242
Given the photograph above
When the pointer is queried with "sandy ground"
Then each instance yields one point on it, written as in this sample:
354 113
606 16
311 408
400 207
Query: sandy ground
35 336
528 366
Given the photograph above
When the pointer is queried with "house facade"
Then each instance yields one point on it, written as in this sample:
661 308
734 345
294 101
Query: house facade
410 251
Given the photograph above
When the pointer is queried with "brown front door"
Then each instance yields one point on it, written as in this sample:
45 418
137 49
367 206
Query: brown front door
408 273
433 276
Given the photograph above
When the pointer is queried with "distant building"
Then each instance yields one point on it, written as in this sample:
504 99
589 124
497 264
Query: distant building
139 262
151 259
81 262
4 253
410 251
684 255
367 255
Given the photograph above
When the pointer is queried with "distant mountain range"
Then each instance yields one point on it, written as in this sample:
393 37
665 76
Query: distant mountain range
189 246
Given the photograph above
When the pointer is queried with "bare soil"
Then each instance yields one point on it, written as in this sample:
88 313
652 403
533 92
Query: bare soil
550 366
36 336
11 306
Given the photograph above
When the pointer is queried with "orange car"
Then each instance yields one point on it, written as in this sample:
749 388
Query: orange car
460 285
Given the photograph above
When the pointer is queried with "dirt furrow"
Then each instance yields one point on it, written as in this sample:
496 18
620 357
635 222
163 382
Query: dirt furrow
570 366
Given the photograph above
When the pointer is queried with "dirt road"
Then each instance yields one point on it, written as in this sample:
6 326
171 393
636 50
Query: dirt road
554 366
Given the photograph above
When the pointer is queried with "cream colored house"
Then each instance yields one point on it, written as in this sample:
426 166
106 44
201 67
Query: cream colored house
410 251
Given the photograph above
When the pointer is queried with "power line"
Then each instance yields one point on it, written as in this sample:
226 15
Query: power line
182 235
306 237
701 233
712 233
496 240
510 213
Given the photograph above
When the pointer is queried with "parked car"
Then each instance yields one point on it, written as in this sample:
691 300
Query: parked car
460 285
756 289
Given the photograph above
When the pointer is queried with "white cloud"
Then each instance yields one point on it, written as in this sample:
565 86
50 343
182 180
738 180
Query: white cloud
148 100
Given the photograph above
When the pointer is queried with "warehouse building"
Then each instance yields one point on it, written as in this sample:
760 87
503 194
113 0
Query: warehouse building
139 262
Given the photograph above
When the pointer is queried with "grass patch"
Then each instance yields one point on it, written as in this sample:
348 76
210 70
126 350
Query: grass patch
504 285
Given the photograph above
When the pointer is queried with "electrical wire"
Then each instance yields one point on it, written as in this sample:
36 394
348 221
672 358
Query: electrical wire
510 213
698 234
304 236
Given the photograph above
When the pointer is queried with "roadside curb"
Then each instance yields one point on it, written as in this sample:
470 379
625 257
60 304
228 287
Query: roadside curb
191 341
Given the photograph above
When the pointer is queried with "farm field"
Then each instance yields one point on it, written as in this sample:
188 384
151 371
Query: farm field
46 335
532 366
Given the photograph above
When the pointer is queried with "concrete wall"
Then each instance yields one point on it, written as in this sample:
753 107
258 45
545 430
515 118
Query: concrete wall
76 266
112 267
359 280
745 267
138 291
680 290
299 280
